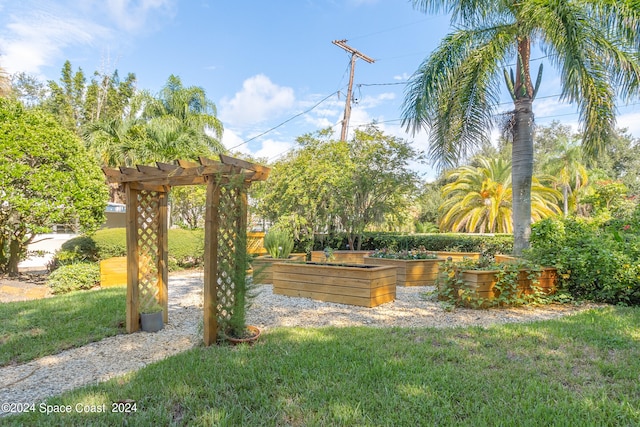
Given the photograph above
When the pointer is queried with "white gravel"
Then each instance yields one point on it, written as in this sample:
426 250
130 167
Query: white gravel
51 375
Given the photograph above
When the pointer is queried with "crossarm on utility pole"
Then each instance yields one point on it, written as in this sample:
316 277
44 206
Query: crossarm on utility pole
347 109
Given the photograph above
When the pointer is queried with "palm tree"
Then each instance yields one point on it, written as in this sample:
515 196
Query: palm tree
479 199
569 172
455 92
183 115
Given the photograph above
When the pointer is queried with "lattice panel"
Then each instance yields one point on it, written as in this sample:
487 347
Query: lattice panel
229 221
148 224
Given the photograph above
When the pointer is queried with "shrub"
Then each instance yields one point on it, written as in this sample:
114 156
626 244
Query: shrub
595 261
488 245
278 243
74 277
420 253
78 249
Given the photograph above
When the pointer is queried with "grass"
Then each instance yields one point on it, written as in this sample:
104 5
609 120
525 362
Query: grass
579 370
33 329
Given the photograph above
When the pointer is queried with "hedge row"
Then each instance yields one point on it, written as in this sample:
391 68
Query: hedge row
486 244
186 247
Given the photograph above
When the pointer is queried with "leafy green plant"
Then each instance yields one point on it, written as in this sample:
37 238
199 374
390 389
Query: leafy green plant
419 253
278 243
74 277
516 284
595 261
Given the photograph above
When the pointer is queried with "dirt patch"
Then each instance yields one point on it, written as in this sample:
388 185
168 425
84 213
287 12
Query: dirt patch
23 287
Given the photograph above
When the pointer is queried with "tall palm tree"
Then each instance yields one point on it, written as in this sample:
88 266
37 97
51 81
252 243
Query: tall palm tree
479 199
455 92
184 113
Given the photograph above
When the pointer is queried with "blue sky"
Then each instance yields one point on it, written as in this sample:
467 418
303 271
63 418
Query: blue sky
261 62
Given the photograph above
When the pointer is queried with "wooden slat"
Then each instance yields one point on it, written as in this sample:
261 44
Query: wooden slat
342 299
205 161
167 166
133 298
188 164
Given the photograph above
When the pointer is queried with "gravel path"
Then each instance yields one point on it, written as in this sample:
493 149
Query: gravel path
51 375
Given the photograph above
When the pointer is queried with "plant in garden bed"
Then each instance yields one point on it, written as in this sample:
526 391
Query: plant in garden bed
420 253
499 284
278 243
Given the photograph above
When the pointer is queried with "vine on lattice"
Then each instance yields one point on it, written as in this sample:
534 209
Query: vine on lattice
228 225
147 225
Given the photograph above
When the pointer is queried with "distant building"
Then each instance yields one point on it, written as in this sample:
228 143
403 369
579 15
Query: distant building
116 215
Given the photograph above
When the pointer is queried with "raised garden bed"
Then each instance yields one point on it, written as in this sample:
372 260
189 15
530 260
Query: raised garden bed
263 270
341 257
458 256
411 272
362 285
482 283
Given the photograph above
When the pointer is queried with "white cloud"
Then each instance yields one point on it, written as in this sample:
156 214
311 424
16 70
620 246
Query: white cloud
37 38
40 33
402 77
133 15
272 149
234 142
259 100
631 121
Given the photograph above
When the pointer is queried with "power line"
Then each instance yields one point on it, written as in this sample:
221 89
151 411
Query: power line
285 122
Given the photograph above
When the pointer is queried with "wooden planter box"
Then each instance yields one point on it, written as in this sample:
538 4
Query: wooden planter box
341 257
483 282
458 256
263 270
113 272
366 286
413 272
548 276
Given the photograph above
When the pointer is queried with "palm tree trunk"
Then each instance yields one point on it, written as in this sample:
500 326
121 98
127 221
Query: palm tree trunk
521 173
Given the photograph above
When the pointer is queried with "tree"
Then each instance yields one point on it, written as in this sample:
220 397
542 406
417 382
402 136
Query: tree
29 89
46 178
67 98
300 186
328 184
5 83
621 160
480 199
375 182
183 119
565 165
455 92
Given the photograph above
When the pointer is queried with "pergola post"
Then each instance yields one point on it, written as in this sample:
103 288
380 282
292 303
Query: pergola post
133 315
211 226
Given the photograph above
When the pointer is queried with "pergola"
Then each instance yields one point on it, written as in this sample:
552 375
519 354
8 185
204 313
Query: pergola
147 189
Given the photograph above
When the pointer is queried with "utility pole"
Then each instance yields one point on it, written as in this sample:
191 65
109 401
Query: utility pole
347 108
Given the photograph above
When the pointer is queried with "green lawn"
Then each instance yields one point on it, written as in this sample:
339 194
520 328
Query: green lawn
581 370
33 329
